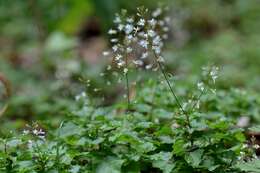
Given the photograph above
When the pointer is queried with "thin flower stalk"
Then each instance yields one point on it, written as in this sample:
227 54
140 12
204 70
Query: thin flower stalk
172 91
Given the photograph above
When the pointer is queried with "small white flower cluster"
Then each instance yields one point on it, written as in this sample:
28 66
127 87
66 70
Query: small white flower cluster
256 146
243 157
135 37
201 86
211 74
35 131
187 105
80 96
214 73
83 98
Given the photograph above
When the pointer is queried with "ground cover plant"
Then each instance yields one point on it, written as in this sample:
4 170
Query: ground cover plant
163 123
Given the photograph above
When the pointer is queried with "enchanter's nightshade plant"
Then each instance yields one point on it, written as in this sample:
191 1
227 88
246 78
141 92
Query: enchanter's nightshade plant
136 38
137 41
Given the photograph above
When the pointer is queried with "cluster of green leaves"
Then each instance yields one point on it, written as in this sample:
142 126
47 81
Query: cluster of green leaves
150 138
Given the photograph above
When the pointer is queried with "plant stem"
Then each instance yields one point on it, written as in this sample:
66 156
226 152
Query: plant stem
128 92
5 147
7 86
57 159
197 101
127 85
172 91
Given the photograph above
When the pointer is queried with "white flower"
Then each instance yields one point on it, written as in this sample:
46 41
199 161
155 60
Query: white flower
35 131
245 146
198 104
129 50
143 43
77 97
118 57
114 40
141 22
41 132
157 40
144 55
117 19
112 31
130 37
165 29
125 70
149 66
120 27
152 22
96 89
120 63
201 86
138 62
157 12
109 67
26 132
129 28
130 20
256 146
115 48
105 53
157 49
151 33
214 73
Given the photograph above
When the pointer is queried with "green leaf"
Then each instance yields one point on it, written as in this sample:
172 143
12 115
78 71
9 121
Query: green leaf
209 163
143 108
222 125
255 128
74 169
240 137
13 143
163 161
132 167
110 165
178 147
25 164
249 167
78 12
145 147
69 129
194 158
163 114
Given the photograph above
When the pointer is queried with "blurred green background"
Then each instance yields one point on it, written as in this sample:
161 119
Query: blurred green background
48 47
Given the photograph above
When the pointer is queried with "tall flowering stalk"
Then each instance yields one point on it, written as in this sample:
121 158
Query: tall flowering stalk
137 41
